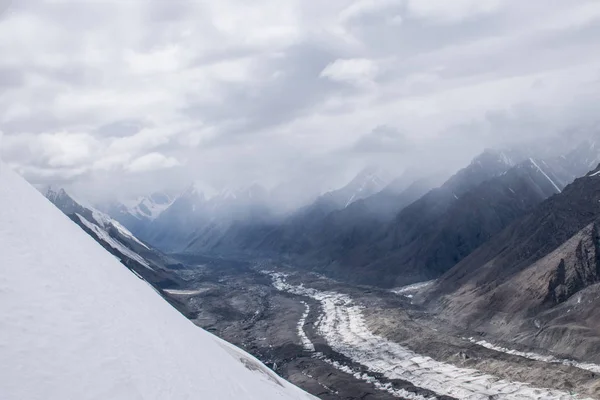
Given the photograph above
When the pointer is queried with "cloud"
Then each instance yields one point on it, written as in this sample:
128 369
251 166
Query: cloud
357 71
121 128
382 139
65 149
364 9
152 162
451 11
58 150
282 89
4 5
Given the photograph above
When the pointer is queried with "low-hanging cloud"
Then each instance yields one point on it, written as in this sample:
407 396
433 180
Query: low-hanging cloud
382 139
132 96
357 71
152 162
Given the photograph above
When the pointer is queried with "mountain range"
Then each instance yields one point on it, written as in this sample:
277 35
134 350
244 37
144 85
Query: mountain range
407 232
374 230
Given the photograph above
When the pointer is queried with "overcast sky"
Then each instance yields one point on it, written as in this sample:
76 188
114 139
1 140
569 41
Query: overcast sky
132 95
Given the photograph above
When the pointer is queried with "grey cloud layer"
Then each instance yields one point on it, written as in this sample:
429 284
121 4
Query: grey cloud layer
134 95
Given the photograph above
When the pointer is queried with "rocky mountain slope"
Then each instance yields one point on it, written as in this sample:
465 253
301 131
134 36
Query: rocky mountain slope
432 235
537 280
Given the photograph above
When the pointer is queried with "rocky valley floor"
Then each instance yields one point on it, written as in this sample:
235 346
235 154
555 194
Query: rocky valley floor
347 342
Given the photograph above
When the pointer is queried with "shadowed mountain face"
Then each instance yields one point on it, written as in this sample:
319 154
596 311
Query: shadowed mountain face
194 217
403 234
538 279
367 183
431 235
533 236
265 235
351 241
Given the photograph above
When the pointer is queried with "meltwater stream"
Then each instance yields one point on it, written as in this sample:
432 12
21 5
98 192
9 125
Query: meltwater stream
341 324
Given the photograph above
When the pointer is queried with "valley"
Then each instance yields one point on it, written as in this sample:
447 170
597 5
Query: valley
342 341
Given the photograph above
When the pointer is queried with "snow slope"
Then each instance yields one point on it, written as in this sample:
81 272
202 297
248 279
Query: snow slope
76 324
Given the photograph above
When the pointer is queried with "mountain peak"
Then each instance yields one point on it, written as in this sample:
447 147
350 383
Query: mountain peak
53 192
367 182
507 157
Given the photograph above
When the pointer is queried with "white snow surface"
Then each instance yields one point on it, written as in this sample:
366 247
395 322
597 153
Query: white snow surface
76 324
345 330
144 207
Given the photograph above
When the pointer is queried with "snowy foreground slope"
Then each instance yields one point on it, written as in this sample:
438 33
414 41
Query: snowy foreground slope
76 324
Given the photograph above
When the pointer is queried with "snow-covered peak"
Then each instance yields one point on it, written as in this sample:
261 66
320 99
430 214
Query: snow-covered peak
504 157
53 192
370 172
78 325
366 183
149 207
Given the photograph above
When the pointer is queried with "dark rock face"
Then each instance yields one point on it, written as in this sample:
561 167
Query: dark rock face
532 237
452 227
537 280
582 270
434 233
